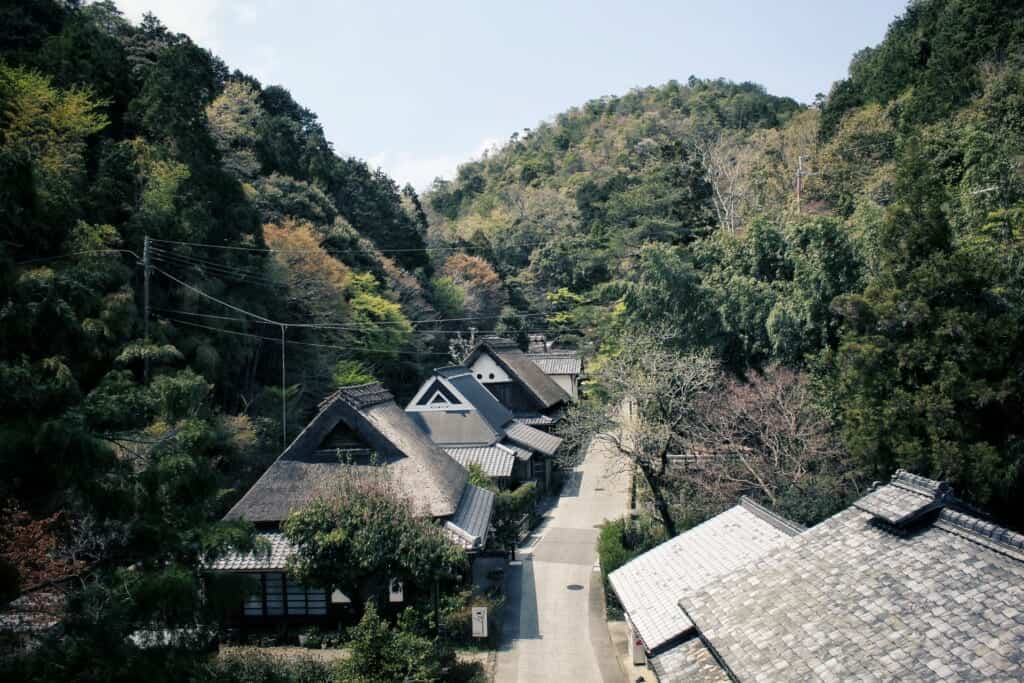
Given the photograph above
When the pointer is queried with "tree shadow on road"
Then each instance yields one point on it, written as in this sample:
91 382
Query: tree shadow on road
519 615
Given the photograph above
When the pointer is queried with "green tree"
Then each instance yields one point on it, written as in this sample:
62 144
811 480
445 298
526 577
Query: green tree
927 369
380 653
364 535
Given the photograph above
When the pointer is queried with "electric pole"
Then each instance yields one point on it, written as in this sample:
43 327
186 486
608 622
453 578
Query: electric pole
800 175
146 265
284 395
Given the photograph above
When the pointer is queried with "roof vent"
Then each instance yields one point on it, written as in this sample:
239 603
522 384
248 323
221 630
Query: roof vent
906 499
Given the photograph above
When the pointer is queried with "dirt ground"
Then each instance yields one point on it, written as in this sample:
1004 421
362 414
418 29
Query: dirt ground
288 652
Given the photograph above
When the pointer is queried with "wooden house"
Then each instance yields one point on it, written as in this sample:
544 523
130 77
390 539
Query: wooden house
459 414
534 398
358 429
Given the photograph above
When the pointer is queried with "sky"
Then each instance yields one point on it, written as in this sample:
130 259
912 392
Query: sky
418 87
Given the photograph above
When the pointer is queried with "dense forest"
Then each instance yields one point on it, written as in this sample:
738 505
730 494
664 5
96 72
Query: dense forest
890 281
863 253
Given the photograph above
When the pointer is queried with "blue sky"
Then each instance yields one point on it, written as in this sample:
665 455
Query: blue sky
418 87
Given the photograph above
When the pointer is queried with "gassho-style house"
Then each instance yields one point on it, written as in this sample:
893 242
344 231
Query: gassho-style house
356 428
903 585
459 414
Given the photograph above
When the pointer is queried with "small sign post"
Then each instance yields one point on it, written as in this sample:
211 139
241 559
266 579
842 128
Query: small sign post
396 592
479 622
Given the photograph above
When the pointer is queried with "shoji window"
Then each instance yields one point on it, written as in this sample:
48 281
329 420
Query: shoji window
278 596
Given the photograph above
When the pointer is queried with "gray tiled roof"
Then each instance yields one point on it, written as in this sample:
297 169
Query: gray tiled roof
534 439
455 428
490 408
535 419
479 424
689 661
542 388
468 526
855 599
495 460
279 550
650 585
557 362
520 452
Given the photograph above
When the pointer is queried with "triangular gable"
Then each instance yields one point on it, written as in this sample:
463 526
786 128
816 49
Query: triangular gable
438 393
544 391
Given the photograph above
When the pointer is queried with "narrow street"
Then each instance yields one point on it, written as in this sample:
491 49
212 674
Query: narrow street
554 626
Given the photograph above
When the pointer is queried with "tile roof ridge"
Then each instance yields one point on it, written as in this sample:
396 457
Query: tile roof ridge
776 520
988 534
360 395
923 485
449 371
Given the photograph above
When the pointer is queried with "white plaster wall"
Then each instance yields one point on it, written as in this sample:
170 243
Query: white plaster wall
485 366
567 383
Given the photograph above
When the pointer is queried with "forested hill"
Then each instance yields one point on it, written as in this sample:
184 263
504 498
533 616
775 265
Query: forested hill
887 295
893 284
111 133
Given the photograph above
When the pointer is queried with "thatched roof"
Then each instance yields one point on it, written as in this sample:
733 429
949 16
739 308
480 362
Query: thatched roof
361 418
544 390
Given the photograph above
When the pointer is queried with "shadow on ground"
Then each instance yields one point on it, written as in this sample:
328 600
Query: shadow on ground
521 599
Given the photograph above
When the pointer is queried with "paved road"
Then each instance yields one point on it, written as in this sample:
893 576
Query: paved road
554 626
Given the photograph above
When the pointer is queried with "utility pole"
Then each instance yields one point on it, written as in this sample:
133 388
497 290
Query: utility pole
800 175
146 266
284 396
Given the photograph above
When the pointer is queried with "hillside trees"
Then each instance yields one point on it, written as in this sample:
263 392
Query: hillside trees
110 133
483 295
926 373
42 156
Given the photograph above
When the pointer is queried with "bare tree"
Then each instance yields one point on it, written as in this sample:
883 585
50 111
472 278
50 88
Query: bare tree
700 439
459 347
720 157
652 392
766 438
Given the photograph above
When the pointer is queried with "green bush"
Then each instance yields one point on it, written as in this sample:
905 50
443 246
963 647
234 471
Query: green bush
509 508
379 652
259 667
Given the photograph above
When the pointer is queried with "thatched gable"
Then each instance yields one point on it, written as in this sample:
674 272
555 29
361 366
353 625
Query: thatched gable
370 430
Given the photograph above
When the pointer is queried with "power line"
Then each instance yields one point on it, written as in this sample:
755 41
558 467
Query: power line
207 262
78 253
300 343
348 251
215 299
329 325
242 277
343 327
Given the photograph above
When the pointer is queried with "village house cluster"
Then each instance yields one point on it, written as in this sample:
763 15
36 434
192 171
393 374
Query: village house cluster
496 411
903 585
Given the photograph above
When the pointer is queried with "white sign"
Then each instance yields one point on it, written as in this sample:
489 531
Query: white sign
396 592
479 622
